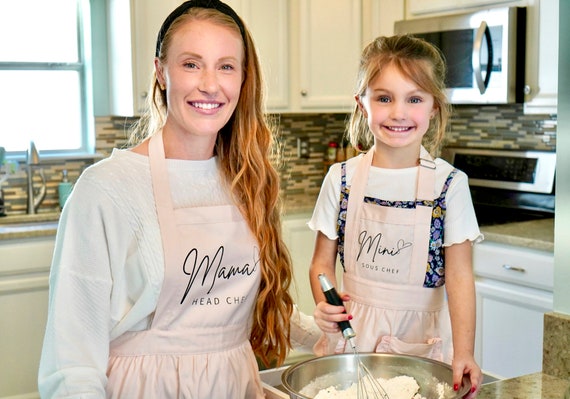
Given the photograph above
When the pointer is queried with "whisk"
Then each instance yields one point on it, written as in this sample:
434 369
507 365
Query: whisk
368 387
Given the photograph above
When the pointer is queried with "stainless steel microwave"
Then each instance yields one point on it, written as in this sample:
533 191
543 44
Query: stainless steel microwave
484 52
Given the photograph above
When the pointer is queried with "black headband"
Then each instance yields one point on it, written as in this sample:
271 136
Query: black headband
184 7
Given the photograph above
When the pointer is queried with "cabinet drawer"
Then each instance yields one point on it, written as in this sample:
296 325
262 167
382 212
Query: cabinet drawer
513 264
24 255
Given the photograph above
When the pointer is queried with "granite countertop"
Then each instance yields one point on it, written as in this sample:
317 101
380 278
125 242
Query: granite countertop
535 234
28 226
531 386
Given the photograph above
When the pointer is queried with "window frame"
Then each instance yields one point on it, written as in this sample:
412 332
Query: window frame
85 73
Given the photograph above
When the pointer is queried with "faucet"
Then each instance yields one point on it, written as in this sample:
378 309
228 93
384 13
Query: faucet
34 197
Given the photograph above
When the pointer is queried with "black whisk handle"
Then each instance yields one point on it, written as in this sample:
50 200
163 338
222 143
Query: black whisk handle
333 298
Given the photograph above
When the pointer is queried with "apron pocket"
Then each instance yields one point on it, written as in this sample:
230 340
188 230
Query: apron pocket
432 349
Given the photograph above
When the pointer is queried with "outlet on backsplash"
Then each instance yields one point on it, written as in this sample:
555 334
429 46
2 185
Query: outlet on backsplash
303 147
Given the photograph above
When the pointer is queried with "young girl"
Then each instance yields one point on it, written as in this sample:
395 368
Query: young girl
401 221
169 273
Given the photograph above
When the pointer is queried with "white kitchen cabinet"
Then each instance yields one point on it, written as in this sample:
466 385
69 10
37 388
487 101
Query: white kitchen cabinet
378 18
541 83
329 40
268 22
300 241
132 49
24 271
514 287
133 27
420 8
309 49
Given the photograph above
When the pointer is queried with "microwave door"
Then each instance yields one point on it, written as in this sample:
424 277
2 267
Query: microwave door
483 33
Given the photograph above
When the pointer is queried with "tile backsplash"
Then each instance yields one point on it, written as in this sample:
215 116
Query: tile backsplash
491 126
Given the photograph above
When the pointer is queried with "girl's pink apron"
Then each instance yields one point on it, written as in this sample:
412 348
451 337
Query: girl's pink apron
198 343
386 255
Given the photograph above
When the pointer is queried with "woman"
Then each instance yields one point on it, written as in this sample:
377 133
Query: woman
170 273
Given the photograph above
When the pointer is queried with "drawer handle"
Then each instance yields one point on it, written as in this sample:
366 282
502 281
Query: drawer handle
514 268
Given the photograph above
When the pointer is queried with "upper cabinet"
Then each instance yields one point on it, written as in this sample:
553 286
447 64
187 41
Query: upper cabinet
420 8
329 42
133 27
146 19
379 16
309 49
541 89
268 22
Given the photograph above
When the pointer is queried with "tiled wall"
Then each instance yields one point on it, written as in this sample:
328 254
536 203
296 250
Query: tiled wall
471 126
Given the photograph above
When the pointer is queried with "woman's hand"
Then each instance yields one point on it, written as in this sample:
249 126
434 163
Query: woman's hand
328 316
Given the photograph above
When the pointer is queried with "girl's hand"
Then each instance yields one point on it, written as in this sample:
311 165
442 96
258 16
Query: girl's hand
328 316
466 366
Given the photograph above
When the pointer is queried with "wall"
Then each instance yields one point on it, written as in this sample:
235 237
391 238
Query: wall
490 126
562 227
556 348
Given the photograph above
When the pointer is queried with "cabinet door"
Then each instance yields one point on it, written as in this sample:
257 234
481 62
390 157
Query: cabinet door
24 270
514 288
268 22
542 58
417 7
509 331
330 43
378 18
146 18
300 241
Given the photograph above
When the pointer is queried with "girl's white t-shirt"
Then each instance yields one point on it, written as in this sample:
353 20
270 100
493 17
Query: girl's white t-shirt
460 221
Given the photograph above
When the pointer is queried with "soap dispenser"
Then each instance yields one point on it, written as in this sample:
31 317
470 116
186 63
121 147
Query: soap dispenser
64 188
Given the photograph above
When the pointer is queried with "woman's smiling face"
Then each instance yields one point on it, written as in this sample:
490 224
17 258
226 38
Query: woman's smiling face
398 111
203 74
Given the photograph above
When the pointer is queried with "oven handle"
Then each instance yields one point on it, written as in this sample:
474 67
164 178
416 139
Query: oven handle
476 59
514 268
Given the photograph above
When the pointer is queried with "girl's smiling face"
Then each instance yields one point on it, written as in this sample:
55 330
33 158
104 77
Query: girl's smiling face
397 110
202 74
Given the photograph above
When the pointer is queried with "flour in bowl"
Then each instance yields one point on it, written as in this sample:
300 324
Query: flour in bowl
400 387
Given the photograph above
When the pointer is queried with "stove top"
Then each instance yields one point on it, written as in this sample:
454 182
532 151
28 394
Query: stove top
508 186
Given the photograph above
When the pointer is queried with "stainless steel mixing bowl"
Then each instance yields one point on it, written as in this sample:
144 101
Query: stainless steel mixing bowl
340 371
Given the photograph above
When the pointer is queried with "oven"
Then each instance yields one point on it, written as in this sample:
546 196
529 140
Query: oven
507 185
514 283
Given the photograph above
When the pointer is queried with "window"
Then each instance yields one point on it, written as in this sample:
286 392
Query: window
45 78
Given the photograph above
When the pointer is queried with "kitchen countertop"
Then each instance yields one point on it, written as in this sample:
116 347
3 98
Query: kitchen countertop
28 226
535 234
531 386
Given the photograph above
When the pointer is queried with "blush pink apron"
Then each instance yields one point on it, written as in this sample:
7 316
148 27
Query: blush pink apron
198 343
386 255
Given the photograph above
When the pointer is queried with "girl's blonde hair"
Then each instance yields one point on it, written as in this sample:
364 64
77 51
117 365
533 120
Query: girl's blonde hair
244 148
417 60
